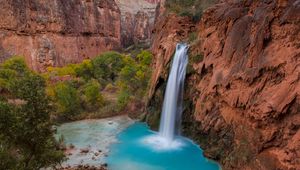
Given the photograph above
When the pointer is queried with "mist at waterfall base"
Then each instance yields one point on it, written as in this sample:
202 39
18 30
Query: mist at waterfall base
139 148
132 153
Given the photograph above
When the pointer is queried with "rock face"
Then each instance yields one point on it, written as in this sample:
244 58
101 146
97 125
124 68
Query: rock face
53 33
242 99
137 20
153 1
168 31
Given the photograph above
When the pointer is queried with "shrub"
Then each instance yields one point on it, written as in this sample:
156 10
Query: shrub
84 70
127 77
192 37
145 58
123 99
8 160
67 99
196 58
135 75
92 96
110 88
6 76
190 8
81 91
62 71
25 126
107 66
11 69
50 92
17 64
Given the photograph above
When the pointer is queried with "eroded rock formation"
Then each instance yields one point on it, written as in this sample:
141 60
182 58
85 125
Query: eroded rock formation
169 30
56 32
242 99
137 20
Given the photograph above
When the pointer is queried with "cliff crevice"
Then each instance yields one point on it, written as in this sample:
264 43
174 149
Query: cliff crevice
242 100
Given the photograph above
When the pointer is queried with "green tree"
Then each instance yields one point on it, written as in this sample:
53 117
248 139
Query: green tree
8 161
16 64
26 135
84 69
134 76
145 58
67 99
123 99
107 66
92 96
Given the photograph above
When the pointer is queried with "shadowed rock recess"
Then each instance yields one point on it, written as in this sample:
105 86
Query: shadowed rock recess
57 32
242 100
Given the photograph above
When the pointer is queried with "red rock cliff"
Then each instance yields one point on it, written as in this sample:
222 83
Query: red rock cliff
242 94
56 32
137 20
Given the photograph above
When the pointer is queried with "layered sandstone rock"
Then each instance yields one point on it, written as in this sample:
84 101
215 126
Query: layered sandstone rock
53 33
250 82
137 20
242 94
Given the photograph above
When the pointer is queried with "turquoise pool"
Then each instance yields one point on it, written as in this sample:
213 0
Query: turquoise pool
139 148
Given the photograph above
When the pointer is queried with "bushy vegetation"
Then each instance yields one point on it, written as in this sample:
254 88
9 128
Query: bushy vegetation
79 88
92 97
106 67
66 99
123 99
192 37
26 135
135 74
191 8
29 102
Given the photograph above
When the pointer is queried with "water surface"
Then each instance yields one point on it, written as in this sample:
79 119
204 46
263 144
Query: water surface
139 148
94 136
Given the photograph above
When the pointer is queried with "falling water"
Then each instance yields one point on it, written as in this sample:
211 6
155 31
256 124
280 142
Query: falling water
172 107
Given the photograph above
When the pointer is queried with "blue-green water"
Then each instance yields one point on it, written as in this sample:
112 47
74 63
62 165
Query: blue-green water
141 149
91 135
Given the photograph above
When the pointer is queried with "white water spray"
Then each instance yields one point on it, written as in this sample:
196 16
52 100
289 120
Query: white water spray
172 107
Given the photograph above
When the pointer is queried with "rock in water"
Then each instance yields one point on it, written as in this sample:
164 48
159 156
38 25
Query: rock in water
85 150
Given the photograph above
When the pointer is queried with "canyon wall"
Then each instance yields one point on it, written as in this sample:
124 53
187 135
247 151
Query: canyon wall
242 102
57 32
137 20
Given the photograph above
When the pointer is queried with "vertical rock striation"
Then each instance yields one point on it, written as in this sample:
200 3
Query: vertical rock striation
248 83
242 101
54 33
137 20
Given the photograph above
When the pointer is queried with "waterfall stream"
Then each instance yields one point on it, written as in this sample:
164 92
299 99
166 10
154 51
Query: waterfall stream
170 121
137 147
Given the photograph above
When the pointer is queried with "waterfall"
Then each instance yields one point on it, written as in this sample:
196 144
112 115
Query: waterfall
170 121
